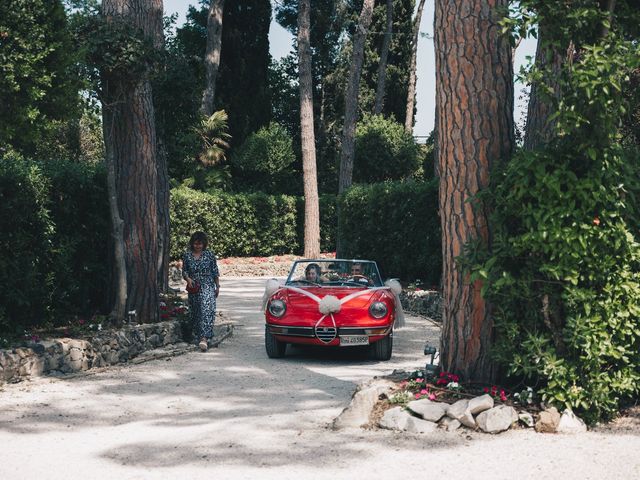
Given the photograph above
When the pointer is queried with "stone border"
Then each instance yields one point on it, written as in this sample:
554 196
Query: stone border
425 416
66 355
427 303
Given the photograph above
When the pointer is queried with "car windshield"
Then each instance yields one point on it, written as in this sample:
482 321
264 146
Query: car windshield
345 273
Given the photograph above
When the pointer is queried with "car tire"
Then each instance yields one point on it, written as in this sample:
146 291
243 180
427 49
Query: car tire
382 349
275 348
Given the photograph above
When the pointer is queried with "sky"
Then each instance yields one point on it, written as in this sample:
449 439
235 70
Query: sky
280 42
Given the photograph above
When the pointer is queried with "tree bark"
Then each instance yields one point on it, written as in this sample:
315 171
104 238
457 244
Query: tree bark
411 93
212 55
347 154
384 55
309 168
119 307
539 129
164 225
130 120
351 97
474 103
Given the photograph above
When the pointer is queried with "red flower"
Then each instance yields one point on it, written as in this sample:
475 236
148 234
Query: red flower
81 321
596 220
164 315
486 390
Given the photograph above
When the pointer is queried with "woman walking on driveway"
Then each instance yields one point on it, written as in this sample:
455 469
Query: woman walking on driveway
200 270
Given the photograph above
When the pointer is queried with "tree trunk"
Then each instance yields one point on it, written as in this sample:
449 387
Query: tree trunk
351 110
474 98
119 307
384 54
411 93
164 226
130 120
212 55
539 128
310 175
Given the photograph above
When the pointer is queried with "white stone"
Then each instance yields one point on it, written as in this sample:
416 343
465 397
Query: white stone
449 424
526 418
358 411
425 408
497 419
396 418
460 411
457 409
570 423
480 404
417 425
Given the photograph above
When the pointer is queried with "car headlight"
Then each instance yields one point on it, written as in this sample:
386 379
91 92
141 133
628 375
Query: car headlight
277 308
378 309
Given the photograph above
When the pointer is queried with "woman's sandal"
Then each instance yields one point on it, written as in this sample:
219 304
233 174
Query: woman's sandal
203 345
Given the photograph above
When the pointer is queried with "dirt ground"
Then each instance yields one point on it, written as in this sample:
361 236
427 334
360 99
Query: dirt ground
232 413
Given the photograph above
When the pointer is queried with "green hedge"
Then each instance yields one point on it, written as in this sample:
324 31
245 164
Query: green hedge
54 223
397 225
254 224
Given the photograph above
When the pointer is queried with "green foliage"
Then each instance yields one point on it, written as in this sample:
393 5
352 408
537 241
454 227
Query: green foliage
265 161
384 151
242 85
37 88
397 225
563 272
54 218
213 133
240 224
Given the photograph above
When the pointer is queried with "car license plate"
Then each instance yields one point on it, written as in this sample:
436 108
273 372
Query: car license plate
350 340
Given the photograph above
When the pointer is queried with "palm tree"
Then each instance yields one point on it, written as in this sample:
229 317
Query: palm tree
214 132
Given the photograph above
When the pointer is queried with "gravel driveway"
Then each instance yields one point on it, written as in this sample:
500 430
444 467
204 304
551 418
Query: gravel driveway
232 413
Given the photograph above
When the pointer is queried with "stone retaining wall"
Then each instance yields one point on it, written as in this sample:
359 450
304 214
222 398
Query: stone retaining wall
423 302
66 355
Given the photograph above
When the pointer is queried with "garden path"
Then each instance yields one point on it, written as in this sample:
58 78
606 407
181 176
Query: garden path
232 413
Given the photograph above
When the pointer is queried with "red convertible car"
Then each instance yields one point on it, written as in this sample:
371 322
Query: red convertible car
337 303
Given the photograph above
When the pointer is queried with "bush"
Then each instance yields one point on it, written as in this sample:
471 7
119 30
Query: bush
54 220
265 161
563 271
384 151
26 240
397 225
253 224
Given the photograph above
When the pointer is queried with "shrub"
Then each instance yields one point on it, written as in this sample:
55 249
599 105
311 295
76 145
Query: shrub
384 151
54 220
26 240
245 224
265 161
563 272
396 224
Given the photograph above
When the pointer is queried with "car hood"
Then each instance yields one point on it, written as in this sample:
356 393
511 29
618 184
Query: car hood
299 300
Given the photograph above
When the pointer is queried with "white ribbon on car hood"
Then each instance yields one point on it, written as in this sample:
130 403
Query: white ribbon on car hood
331 304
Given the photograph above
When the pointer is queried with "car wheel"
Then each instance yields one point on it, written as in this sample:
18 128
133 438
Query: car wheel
382 349
275 348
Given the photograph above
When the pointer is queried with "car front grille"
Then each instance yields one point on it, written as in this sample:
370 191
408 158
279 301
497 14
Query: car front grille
326 334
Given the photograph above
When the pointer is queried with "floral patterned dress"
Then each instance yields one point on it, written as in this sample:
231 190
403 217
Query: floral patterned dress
202 305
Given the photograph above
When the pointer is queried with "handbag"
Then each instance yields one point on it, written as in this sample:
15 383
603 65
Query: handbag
195 288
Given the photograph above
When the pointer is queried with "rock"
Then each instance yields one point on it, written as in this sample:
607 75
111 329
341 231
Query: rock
480 404
428 410
449 424
526 419
395 418
75 354
457 409
497 419
417 425
460 411
358 411
570 423
548 421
